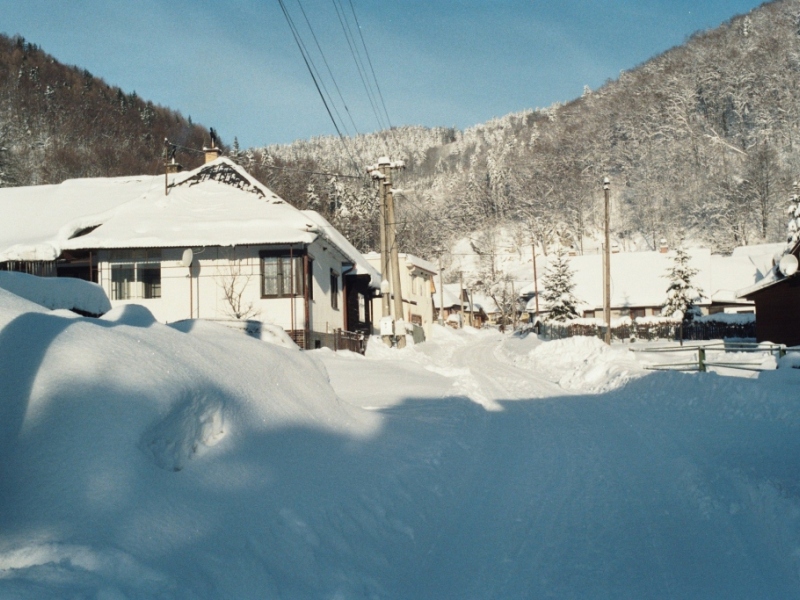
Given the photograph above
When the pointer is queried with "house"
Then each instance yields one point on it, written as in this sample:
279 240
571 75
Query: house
453 297
777 297
416 287
639 281
212 243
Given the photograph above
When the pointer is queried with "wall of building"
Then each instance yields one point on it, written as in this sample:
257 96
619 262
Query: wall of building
776 313
416 287
203 294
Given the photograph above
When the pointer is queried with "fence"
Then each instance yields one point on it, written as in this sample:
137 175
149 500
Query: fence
339 339
694 331
701 363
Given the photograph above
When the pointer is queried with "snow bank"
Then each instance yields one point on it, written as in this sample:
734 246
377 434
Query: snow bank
54 293
730 318
582 364
139 460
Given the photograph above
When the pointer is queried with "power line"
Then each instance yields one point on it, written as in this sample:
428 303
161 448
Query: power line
360 177
330 72
369 60
306 60
340 13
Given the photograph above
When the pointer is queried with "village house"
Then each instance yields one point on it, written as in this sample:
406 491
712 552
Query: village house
212 243
454 298
777 297
416 287
639 281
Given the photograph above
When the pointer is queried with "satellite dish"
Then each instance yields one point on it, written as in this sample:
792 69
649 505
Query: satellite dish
188 257
788 265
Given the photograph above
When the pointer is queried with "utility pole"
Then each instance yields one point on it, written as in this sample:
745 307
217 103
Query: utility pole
535 276
390 260
461 297
607 265
377 174
441 292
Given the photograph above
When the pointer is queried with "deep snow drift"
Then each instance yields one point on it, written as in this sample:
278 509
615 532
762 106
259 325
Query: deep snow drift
139 460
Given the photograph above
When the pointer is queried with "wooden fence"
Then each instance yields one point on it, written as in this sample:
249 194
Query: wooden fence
695 331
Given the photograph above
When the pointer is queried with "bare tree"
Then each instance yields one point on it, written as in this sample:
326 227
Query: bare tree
234 283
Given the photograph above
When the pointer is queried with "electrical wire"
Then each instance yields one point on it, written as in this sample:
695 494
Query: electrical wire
327 66
340 13
360 177
306 60
372 69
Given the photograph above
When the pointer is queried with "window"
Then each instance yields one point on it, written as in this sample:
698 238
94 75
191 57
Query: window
282 275
135 280
334 290
637 313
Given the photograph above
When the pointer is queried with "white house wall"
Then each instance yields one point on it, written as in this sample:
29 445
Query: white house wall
416 288
212 267
325 257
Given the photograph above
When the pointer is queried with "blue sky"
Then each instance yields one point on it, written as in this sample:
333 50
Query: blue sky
234 65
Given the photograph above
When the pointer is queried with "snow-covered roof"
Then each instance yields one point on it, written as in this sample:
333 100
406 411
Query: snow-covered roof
374 258
420 263
449 292
218 204
452 299
361 265
639 279
37 220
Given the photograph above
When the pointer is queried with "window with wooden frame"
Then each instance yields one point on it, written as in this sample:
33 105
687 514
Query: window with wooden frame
281 274
334 290
637 313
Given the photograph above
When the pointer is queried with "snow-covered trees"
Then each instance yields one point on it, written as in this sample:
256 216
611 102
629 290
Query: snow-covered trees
681 293
701 138
558 286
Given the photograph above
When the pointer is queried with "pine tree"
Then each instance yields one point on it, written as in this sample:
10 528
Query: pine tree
558 285
681 293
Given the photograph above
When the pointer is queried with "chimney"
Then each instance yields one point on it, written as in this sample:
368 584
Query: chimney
173 167
212 152
663 248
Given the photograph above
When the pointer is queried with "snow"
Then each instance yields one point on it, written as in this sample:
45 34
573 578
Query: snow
65 293
44 221
140 460
38 219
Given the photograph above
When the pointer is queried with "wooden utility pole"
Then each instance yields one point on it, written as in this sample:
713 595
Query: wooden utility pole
607 264
535 277
461 297
377 174
390 260
441 293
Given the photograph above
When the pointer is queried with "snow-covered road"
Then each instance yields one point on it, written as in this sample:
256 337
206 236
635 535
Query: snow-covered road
655 489
139 460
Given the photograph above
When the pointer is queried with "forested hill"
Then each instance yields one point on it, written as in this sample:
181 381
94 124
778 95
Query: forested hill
702 142
58 122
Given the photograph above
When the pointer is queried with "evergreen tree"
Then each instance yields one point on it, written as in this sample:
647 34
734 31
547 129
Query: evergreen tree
558 286
681 293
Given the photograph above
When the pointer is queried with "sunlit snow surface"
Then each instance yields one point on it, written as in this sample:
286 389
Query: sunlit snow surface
139 460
